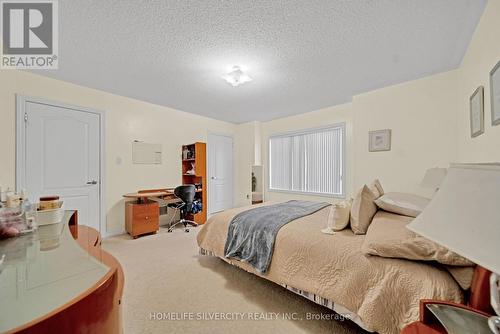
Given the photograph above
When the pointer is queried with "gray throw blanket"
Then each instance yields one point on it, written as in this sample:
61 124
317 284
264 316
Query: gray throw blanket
251 234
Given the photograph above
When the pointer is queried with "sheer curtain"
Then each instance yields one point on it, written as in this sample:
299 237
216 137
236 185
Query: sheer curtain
310 161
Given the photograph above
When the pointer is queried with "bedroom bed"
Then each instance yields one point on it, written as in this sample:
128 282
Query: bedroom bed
379 294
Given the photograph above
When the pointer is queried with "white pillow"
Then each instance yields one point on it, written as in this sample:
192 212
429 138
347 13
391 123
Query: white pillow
402 204
338 218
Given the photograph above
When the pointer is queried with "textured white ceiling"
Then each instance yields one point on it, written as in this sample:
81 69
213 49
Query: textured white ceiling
302 55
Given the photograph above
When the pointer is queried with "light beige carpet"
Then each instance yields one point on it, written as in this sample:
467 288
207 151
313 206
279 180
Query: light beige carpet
166 278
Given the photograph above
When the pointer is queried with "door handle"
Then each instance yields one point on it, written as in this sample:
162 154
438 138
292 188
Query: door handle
92 182
214 178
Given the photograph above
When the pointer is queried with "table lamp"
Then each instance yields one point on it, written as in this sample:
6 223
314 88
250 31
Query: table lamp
433 178
464 216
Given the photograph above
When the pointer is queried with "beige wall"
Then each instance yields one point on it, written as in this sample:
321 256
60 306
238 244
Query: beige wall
244 142
247 147
126 119
422 116
483 53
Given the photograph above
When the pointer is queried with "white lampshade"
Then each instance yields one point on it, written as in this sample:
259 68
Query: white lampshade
433 178
464 215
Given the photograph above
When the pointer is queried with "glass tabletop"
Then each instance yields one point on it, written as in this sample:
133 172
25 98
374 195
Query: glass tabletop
457 320
43 271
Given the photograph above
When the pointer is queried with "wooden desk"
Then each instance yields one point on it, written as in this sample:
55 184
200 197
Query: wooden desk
142 196
54 282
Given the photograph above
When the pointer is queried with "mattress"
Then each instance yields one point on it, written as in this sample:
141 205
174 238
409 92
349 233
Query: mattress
379 294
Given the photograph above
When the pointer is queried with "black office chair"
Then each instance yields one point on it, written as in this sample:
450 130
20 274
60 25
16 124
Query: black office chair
186 194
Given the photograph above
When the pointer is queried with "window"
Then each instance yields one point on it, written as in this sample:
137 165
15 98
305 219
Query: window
310 161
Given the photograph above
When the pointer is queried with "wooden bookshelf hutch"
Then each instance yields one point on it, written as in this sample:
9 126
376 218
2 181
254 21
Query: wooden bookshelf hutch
198 158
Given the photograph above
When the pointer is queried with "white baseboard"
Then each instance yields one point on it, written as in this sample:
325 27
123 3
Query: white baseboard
113 234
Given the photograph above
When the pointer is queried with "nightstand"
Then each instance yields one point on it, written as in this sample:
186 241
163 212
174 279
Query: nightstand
437 317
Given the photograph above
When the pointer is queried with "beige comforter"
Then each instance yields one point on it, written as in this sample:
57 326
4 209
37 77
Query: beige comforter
383 292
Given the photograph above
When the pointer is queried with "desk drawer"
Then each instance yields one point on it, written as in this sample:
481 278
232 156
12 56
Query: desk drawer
145 209
145 224
145 215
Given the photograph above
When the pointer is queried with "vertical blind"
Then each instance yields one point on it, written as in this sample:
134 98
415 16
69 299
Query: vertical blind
310 161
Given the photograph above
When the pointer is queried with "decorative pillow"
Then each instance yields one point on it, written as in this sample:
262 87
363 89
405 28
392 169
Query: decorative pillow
376 188
403 204
389 237
463 275
362 211
338 218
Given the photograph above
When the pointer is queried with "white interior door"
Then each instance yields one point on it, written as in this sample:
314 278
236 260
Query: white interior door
62 157
220 172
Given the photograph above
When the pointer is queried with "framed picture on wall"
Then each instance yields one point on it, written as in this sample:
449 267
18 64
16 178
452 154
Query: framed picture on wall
379 140
495 94
477 112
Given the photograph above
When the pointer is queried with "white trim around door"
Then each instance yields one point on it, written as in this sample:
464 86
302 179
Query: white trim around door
21 115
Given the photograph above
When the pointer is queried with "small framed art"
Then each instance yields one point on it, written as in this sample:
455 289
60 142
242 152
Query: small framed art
477 112
380 140
495 94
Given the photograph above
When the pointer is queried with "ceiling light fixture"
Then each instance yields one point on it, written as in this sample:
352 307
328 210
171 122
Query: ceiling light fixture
237 77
